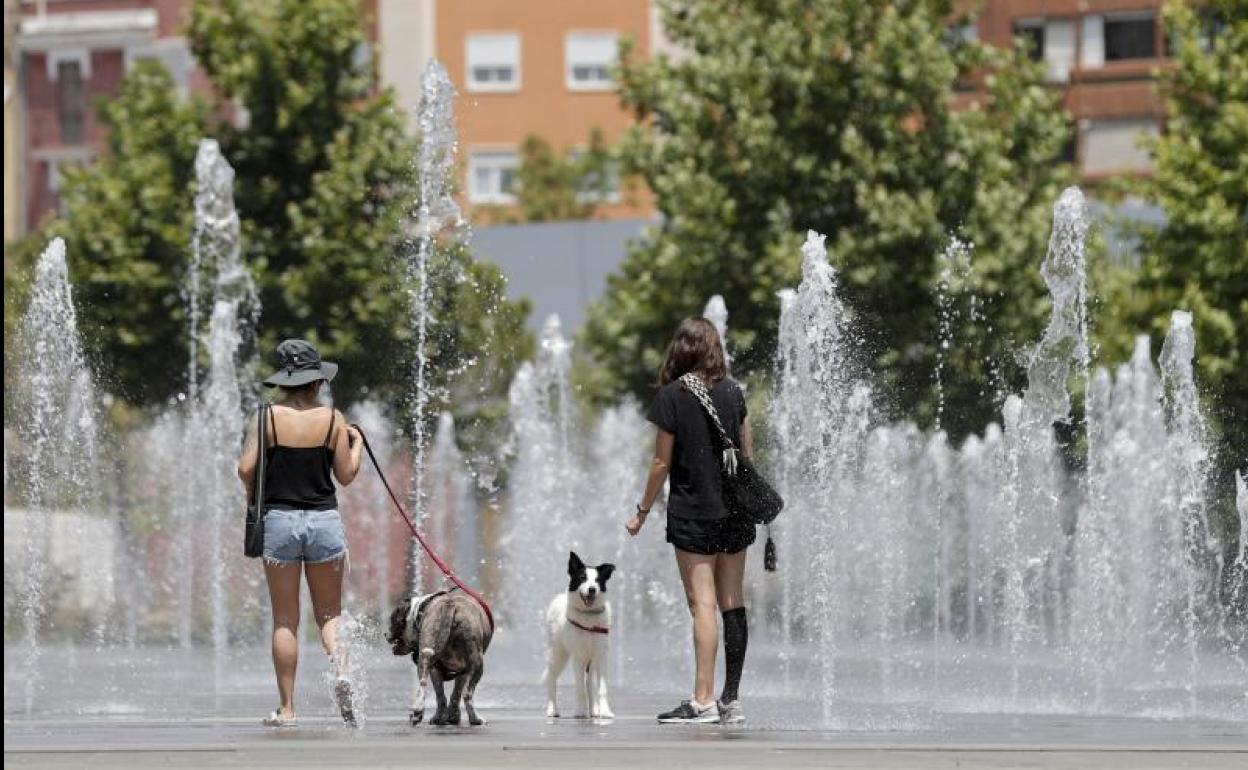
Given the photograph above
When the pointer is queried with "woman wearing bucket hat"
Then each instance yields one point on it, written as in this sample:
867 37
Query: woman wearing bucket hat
307 446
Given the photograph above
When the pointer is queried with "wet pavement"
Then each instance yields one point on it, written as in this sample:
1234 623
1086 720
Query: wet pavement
169 709
521 738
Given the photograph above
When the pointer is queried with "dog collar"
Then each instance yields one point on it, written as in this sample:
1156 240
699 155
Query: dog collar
590 629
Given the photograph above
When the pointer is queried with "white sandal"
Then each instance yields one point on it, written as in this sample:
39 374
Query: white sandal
275 719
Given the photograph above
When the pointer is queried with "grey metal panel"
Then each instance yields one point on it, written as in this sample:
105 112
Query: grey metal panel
560 266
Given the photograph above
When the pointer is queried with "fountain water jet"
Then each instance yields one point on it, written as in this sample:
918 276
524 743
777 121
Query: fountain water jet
56 425
436 209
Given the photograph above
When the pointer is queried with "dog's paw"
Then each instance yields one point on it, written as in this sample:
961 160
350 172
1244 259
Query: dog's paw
439 718
552 712
452 718
416 717
476 721
604 713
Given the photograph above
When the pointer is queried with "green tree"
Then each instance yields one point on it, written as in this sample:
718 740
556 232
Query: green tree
127 226
1198 259
839 116
554 187
323 181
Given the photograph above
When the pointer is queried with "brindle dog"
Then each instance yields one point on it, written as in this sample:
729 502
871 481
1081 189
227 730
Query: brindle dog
447 635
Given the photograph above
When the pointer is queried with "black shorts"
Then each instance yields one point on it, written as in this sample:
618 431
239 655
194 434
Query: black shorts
710 536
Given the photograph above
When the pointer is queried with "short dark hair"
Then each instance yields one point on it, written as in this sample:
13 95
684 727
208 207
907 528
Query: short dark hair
695 347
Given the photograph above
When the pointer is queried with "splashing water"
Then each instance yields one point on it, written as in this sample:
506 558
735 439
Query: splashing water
1034 588
367 495
207 503
54 415
436 209
716 311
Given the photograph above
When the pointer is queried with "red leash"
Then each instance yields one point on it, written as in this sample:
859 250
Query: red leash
446 570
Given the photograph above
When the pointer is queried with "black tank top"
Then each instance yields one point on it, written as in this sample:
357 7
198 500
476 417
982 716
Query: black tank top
298 478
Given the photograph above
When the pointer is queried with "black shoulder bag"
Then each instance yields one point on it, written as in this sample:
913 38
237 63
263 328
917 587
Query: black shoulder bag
746 492
253 534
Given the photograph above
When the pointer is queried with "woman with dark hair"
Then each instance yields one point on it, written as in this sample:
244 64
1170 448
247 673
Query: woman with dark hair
306 442
710 541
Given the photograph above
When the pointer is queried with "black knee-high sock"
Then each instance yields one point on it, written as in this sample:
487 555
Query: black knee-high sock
736 636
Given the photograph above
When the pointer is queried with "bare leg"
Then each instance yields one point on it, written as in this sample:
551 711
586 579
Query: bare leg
555 662
477 668
325 585
697 572
730 580
283 580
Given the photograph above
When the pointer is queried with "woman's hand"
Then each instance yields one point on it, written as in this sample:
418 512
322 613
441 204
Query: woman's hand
353 436
634 524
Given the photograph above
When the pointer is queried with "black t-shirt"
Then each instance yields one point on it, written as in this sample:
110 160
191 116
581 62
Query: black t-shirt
696 488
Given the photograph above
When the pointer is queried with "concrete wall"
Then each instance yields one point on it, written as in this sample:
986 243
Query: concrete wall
560 266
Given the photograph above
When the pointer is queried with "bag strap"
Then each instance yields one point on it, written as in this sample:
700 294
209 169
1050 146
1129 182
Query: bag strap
692 383
261 459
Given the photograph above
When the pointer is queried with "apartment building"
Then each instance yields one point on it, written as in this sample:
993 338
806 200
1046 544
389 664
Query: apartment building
1104 56
67 54
520 69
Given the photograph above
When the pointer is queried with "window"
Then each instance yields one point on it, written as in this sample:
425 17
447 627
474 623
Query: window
1114 146
493 62
1032 33
492 176
599 184
1132 36
962 34
1051 42
1059 50
1092 53
71 101
589 58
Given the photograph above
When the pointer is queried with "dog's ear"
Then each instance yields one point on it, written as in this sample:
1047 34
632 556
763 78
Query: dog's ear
604 574
575 564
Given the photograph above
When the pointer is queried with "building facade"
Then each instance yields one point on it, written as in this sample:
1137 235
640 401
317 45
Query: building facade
66 56
520 69
540 68
1104 55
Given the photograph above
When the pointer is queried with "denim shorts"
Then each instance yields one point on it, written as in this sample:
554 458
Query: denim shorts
307 536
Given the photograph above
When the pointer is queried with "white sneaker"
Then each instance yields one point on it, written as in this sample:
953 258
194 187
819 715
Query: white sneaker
730 713
275 719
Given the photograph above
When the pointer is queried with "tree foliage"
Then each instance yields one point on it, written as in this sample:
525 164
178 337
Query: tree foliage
323 182
849 117
1198 259
553 187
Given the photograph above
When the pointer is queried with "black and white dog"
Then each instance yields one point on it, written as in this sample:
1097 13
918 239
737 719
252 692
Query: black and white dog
446 634
578 624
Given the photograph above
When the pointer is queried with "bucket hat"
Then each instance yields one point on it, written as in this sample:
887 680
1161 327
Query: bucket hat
299 363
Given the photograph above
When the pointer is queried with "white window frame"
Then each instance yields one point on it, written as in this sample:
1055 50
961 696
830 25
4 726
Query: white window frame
1060 44
79 54
491 158
492 86
574 84
1092 44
